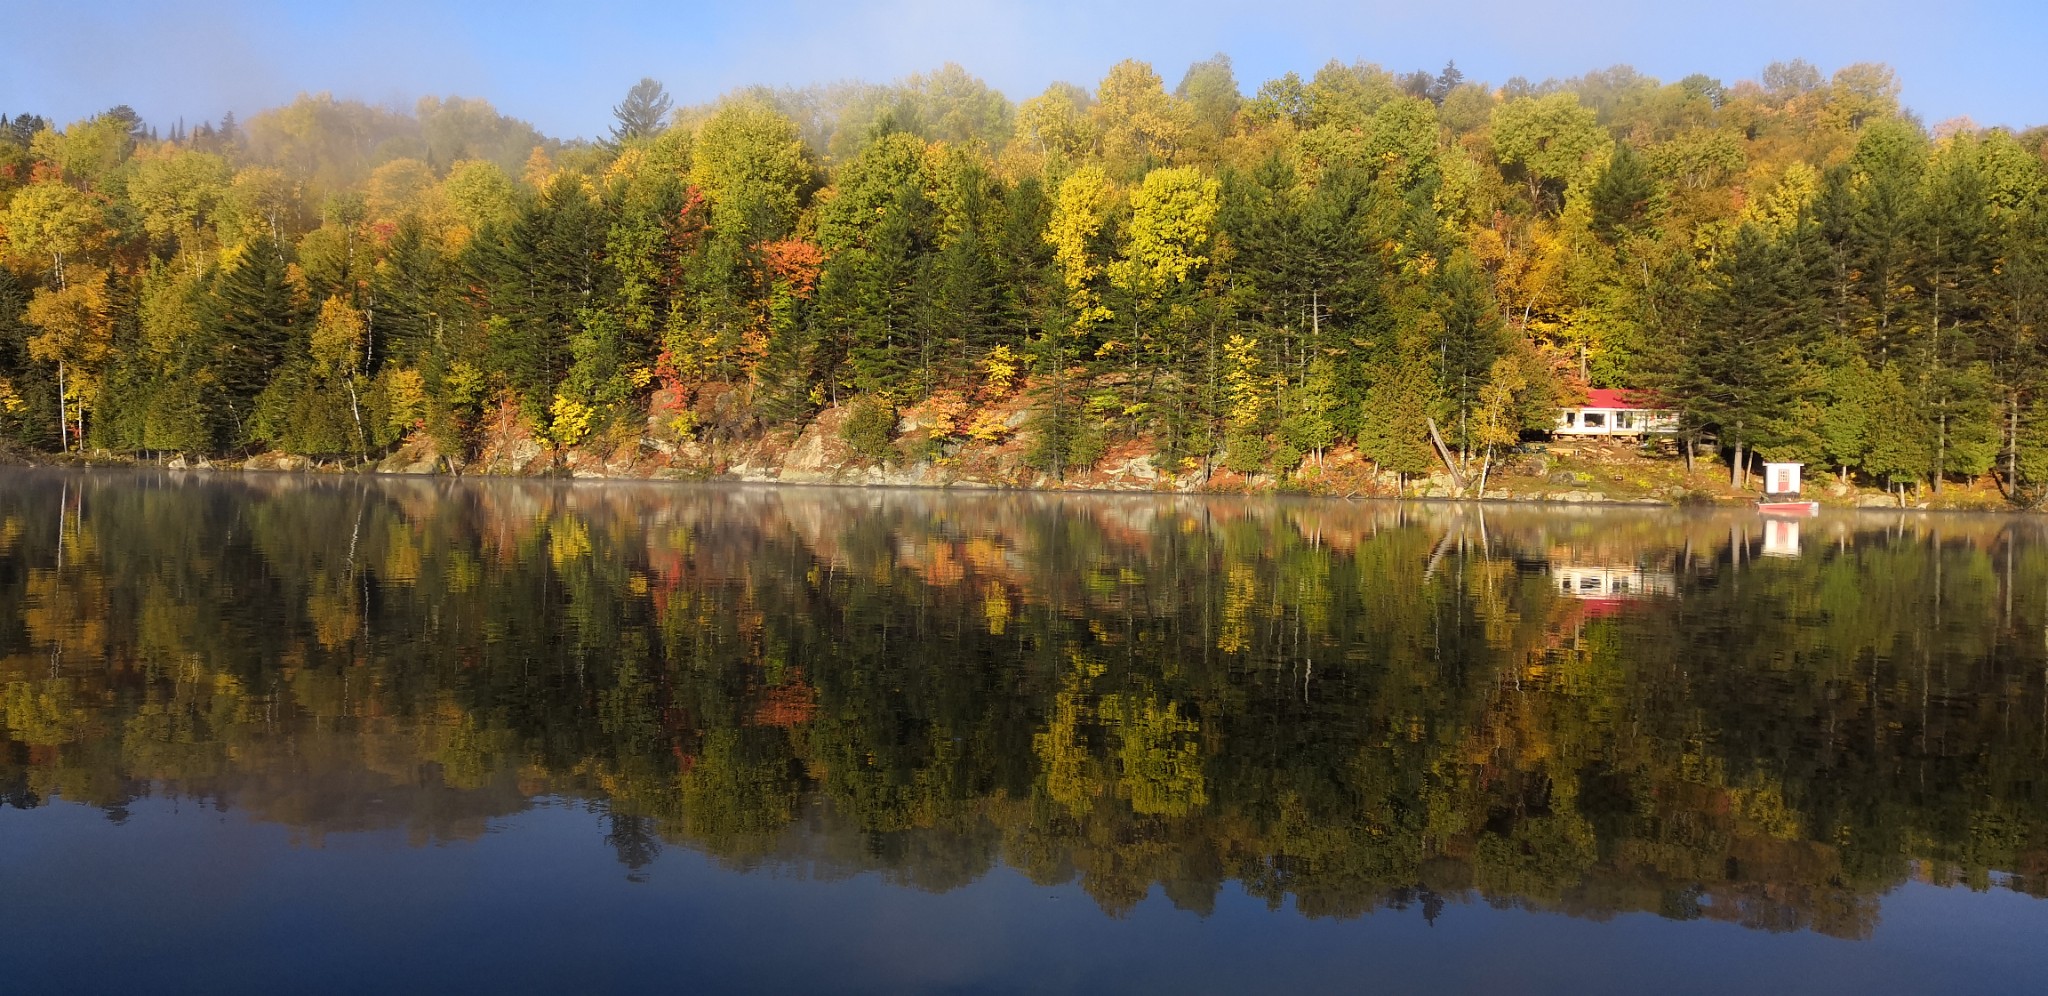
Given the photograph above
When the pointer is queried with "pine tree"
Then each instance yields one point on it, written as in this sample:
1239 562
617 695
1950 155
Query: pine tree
1394 420
1952 285
644 111
254 325
1450 79
1897 449
1745 368
1847 418
1625 196
966 300
783 379
2012 346
542 274
1470 340
402 303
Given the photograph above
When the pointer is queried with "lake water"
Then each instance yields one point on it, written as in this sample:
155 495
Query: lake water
266 733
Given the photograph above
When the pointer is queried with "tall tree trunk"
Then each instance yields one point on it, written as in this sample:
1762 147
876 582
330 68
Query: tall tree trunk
355 408
1735 468
1940 451
1444 453
2012 444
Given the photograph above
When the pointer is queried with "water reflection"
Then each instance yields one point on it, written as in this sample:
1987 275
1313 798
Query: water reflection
1342 706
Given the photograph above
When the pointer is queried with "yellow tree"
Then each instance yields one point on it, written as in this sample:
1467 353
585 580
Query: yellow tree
1173 214
1078 213
397 187
1551 138
337 347
259 204
179 192
1497 421
477 194
51 222
1139 120
749 159
1249 390
86 151
1172 222
1055 124
77 335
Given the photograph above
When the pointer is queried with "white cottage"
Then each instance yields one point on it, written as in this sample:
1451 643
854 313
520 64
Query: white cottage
1605 581
1610 412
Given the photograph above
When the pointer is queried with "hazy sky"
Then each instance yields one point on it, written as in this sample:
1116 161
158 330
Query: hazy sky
563 65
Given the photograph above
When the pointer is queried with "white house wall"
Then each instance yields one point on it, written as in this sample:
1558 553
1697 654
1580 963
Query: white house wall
1646 421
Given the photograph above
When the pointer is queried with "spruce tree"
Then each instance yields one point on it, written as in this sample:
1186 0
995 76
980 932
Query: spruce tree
254 325
644 111
1469 341
1394 420
1745 367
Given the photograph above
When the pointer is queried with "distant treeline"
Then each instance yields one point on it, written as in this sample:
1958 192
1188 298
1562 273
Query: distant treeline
1796 263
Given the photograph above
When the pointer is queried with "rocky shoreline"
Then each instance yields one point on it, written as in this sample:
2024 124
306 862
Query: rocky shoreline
819 455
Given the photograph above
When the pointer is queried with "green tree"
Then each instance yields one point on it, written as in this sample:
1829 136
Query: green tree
1394 423
1551 140
1745 369
1310 423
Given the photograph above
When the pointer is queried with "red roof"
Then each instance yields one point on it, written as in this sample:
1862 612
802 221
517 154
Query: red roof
1601 608
1608 397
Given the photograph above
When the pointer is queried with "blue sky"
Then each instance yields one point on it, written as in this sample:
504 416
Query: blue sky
563 65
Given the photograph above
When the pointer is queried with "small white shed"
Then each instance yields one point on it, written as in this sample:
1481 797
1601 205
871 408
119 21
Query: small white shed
1781 480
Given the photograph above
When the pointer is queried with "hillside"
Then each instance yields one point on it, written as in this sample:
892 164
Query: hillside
1293 287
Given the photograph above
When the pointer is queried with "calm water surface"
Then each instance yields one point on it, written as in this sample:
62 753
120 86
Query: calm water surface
263 733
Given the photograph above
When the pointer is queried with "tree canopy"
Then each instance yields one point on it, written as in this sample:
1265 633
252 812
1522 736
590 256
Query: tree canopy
1373 242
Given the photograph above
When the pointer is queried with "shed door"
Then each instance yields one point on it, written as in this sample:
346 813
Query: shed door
1784 481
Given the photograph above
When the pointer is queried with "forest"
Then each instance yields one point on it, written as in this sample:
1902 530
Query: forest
1415 266
1336 706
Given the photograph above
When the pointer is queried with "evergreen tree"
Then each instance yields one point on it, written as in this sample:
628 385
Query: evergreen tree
1309 424
1952 282
255 323
1745 368
1847 417
404 301
644 111
2012 344
539 278
1394 422
1897 449
1625 196
1467 345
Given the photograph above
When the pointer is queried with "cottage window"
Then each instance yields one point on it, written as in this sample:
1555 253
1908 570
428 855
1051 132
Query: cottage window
1571 419
1624 420
1596 420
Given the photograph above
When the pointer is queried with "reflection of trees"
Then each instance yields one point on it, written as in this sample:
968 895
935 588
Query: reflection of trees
1346 707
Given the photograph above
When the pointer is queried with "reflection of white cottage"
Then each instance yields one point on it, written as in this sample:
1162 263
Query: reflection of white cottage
1618 581
1781 537
1610 412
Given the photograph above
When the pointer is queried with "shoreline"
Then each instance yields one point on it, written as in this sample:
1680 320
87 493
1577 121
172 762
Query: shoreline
303 467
